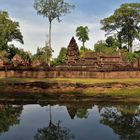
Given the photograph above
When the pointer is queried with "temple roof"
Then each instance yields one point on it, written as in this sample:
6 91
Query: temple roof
72 52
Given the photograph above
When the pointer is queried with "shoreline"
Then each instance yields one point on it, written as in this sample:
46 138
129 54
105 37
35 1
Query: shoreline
97 90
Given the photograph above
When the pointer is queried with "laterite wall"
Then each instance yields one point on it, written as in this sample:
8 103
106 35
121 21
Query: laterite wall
70 74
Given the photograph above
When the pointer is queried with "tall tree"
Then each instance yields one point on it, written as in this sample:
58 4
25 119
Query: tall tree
82 34
125 22
53 9
9 31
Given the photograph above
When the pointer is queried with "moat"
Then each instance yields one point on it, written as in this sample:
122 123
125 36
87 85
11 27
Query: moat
66 121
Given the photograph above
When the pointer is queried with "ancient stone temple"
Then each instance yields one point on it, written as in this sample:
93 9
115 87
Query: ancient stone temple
17 60
73 54
91 60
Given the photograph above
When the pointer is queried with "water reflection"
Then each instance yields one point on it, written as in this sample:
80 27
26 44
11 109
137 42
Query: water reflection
124 120
80 112
68 121
53 131
9 116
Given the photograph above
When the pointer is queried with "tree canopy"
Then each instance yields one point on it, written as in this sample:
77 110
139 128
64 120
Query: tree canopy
9 30
104 48
61 57
53 9
125 23
82 34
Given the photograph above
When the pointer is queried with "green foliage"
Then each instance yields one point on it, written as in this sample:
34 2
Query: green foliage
124 120
12 51
125 23
102 47
26 56
53 9
61 57
9 31
82 34
82 113
43 54
84 50
111 42
131 57
9 116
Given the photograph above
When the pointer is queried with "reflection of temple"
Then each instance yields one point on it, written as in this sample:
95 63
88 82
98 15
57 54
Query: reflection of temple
72 111
90 59
75 110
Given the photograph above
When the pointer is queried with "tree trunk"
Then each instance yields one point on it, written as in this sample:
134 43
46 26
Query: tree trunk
83 44
50 28
50 114
50 37
119 40
130 42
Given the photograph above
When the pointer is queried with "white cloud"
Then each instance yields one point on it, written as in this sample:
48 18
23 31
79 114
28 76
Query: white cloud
35 32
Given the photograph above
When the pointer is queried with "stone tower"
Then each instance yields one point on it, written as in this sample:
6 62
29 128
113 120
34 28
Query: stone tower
72 52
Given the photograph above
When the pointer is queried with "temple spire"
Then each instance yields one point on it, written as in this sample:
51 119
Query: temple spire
72 52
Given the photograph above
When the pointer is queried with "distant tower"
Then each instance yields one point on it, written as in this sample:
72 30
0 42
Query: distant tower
72 52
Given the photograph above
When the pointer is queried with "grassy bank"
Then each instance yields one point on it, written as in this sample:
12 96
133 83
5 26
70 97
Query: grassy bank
70 80
112 92
86 87
92 81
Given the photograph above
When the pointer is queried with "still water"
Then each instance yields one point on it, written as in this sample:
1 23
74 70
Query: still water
69 122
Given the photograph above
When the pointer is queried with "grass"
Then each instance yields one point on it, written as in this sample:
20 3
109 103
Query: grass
70 80
92 81
97 91
114 92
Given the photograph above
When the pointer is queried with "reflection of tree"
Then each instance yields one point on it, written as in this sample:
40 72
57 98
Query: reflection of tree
124 120
82 113
53 131
9 116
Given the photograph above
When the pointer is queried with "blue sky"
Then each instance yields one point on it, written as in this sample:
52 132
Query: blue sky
35 28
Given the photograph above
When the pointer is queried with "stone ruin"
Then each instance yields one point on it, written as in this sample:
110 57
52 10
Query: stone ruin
17 60
36 63
73 54
91 60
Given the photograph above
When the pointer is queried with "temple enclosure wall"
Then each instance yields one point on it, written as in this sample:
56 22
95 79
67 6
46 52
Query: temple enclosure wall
69 74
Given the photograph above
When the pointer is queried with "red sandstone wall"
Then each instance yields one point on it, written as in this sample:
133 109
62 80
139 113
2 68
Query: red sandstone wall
70 74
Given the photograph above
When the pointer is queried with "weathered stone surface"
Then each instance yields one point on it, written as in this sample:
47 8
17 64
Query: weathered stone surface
70 74
90 59
17 60
36 63
72 52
